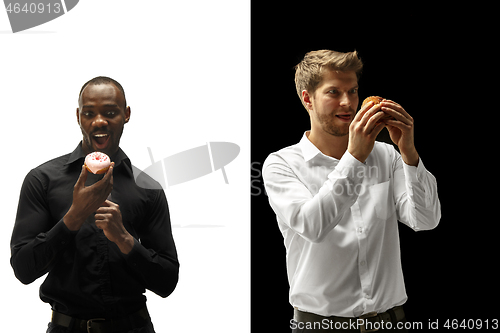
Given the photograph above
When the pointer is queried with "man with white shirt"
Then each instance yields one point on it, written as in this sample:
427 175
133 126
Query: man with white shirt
338 195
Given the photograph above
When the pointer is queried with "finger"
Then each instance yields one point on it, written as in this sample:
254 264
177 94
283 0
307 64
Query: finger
106 203
373 121
398 116
111 203
102 216
388 101
102 210
110 171
100 224
398 124
108 175
362 111
374 111
106 183
108 207
82 178
395 106
376 130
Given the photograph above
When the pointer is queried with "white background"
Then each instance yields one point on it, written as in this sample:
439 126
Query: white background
185 68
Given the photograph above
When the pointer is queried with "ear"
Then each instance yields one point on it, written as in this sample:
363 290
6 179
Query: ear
78 116
127 114
307 98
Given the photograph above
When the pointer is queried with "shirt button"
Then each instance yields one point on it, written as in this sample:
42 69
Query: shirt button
368 297
360 230
362 263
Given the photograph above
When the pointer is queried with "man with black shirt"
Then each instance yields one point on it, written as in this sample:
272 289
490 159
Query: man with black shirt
102 244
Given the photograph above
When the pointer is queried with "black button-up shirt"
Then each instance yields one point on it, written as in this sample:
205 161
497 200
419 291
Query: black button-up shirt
89 277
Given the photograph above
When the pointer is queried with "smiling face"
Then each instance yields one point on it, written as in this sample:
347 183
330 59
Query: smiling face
332 106
101 115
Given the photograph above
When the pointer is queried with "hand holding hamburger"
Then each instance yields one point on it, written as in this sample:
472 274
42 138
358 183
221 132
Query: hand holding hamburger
376 100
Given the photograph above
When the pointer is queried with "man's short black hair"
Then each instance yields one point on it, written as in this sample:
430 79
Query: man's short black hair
104 80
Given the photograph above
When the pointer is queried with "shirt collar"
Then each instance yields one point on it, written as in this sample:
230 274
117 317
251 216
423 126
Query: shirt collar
309 150
78 154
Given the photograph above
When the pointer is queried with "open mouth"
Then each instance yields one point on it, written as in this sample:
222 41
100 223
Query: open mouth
344 117
101 140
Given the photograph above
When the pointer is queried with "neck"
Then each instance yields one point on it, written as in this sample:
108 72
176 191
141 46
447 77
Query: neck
330 145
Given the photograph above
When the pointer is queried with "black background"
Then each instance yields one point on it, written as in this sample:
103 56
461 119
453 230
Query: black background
439 66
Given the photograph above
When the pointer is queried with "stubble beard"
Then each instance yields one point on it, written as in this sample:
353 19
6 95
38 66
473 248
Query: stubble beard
327 123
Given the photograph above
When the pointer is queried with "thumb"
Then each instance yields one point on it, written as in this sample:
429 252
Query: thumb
83 177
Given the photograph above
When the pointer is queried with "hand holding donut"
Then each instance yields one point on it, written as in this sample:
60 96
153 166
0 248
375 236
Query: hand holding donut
86 199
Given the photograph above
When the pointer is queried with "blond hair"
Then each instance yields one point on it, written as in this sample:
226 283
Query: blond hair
309 72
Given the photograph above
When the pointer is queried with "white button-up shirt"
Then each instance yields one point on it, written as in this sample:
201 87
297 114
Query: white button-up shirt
339 223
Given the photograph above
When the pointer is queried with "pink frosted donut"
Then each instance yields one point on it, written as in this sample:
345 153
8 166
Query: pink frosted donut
97 162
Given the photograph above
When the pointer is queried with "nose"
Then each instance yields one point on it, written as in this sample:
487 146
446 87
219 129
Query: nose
345 100
99 121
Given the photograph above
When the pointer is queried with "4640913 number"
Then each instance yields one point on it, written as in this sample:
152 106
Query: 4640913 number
33 8
471 324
